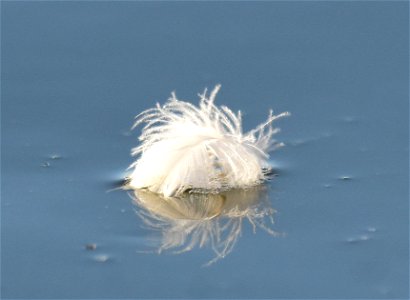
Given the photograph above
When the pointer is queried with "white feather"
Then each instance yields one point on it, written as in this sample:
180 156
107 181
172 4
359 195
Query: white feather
203 148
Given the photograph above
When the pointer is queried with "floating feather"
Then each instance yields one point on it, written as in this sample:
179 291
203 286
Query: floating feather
185 147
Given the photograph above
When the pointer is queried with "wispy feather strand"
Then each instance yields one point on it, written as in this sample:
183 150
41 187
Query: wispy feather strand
184 147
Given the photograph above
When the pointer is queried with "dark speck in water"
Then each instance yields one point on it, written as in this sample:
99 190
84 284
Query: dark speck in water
345 178
91 247
117 184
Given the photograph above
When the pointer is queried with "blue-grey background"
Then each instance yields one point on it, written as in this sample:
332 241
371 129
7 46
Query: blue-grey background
74 74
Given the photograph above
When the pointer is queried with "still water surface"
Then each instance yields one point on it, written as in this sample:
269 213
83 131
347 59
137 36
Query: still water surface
75 74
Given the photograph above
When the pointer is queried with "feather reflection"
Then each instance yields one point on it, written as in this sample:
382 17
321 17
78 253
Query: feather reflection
197 220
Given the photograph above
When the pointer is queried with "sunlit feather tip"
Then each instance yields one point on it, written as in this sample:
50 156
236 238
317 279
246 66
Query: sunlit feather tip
185 147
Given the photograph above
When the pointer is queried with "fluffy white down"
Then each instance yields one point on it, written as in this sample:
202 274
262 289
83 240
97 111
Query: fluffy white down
201 148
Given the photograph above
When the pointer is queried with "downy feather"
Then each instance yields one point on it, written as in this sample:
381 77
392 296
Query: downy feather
185 147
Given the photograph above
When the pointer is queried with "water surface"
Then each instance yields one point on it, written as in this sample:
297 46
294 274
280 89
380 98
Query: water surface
75 74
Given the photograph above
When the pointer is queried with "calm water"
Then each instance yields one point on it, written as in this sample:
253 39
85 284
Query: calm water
75 74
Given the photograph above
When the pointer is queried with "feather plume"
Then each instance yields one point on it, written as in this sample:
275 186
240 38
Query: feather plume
185 147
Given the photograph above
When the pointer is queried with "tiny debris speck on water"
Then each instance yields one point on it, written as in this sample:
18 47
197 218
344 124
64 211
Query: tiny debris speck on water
371 229
357 239
55 156
345 178
91 247
45 164
102 258
353 240
364 237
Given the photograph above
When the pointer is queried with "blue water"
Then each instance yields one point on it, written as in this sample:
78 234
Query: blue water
74 75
